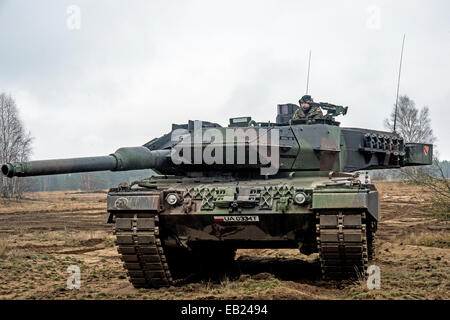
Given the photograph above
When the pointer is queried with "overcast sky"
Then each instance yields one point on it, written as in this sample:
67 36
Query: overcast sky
134 67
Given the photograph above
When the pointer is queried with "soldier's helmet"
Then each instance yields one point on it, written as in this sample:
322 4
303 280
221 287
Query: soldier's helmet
305 99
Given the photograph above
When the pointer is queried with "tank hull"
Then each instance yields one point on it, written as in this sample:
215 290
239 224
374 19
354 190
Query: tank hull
335 217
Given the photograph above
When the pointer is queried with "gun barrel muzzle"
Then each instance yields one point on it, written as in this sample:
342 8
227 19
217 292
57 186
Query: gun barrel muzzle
48 167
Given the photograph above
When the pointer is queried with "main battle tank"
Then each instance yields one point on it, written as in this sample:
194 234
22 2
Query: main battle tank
288 184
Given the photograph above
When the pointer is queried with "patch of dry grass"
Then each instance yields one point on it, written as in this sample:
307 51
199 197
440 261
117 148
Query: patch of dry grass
55 201
88 235
70 238
3 247
260 284
14 253
441 211
438 239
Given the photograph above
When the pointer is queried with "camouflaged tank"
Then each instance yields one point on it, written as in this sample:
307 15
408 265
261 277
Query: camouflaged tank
193 215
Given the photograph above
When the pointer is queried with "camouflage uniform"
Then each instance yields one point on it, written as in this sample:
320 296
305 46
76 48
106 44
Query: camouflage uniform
312 113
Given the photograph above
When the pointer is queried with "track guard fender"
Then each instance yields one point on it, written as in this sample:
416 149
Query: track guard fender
328 199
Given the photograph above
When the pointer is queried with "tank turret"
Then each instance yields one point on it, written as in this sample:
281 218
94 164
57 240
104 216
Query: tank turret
298 146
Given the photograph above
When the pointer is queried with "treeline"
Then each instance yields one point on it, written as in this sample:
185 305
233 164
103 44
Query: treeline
439 169
445 165
85 181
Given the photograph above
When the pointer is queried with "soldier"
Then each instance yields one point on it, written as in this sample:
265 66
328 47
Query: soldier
306 111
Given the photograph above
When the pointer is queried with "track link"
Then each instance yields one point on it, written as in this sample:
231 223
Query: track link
141 251
372 227
342 244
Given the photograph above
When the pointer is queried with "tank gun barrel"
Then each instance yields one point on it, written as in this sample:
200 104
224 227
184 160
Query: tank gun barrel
131 158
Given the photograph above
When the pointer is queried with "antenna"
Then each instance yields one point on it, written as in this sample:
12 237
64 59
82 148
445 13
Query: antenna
398 82
309 66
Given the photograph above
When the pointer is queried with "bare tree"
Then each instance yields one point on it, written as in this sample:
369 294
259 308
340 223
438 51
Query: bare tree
413 125
15 144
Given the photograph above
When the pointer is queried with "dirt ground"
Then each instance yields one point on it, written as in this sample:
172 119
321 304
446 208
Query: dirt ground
42 235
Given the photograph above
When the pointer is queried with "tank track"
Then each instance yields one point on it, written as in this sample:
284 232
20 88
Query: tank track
141 251
341 239
342 244
371 240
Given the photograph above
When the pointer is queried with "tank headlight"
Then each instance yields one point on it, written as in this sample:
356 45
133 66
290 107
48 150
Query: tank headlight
300 198
172 199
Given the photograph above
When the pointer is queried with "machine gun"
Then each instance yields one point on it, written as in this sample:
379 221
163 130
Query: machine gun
332 109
